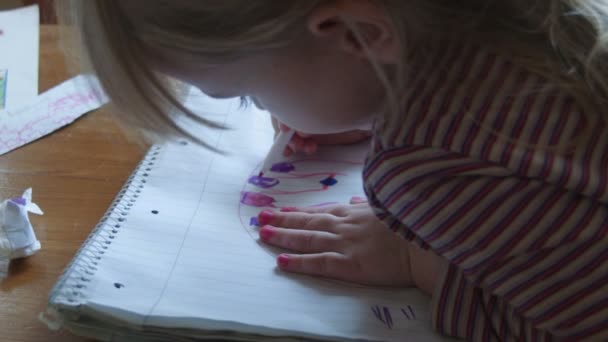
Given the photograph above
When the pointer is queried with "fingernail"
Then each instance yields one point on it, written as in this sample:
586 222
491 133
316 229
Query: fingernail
288 209
265 217
283 260
266 233
357 200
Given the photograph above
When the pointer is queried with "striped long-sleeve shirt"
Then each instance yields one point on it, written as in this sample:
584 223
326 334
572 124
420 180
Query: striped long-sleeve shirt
471 170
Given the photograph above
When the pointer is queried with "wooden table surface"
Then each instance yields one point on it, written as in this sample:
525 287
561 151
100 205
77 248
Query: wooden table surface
74 173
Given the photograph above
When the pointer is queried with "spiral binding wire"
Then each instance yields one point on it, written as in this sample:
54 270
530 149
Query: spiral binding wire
80 271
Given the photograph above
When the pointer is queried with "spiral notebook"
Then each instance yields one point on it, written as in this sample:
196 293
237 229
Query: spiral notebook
177 257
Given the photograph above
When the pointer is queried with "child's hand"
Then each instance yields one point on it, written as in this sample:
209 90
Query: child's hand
345 242
309 143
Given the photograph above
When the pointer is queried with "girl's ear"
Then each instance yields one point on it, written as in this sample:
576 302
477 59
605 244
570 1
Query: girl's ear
357 25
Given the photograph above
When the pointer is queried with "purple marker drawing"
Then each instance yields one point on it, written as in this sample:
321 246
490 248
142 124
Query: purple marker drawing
282 192
263 182
267 182
19 200
387 316
412 311
256 199
377 313
383 315
304 183
329 181
296 175
283 167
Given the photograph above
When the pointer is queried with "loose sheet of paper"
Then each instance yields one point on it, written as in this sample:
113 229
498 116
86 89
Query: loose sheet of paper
183 252
19 44
50 111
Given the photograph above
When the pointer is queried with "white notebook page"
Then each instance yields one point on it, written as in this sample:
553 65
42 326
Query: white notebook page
186 253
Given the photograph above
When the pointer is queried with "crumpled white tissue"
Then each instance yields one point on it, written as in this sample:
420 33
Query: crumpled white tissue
17 237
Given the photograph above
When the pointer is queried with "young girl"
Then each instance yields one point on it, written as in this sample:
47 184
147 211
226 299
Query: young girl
489 150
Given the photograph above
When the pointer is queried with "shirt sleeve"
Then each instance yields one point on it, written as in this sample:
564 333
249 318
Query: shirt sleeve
528 260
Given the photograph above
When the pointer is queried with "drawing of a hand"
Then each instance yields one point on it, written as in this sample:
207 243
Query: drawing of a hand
344 242
309 143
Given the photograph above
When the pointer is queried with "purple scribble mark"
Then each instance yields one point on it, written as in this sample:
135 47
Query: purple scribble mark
263 182
253 221
411 315
383 315
19 200
329 181
256 199
377 313
283 167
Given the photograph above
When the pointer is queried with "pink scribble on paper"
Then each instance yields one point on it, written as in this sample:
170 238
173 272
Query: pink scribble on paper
263 182
48 112
256 199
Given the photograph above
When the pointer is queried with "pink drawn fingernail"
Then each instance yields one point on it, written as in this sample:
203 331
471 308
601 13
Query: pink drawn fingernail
266 233
265 217
357 200
289 209
283 261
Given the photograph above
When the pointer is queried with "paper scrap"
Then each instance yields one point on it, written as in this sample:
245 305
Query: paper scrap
17 237
50 111
19 44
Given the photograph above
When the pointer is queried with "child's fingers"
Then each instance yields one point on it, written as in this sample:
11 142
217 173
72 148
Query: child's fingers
310 146
329 265
302 143
299 220
296 143
283 127
335 209
303 241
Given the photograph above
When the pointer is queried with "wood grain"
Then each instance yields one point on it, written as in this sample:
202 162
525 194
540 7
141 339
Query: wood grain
75 173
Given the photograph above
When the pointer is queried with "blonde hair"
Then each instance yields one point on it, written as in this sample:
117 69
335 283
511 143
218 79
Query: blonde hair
566 41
